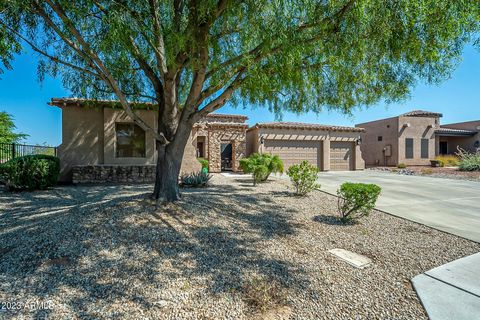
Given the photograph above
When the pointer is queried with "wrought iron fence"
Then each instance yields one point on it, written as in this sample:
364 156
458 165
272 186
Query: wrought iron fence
12 150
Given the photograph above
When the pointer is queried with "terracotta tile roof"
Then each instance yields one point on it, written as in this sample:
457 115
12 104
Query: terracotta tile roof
304 126
421 113
65 102
461 132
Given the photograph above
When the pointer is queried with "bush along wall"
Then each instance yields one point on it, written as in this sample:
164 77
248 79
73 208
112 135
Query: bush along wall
32 172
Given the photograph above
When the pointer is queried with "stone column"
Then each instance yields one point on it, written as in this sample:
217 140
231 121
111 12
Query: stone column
326 155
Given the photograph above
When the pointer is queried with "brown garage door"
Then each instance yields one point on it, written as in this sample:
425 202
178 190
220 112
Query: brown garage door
341 156
293 152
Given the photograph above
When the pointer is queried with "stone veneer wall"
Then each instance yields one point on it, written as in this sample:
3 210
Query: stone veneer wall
113 173
217 136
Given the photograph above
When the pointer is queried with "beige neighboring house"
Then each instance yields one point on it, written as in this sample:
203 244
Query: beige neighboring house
100 143
327 147
415 138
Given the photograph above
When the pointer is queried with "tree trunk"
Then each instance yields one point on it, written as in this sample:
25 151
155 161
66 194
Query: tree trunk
169 163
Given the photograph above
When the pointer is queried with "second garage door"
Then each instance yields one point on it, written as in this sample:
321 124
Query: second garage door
341 156
293 152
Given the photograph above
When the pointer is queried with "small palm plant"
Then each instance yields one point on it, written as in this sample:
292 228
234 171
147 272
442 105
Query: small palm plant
261 166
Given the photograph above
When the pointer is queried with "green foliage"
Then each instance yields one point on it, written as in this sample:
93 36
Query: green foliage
7 127
204 163
195 180
401 166
303 177
298 56
261 166
30 172
356 200
469 161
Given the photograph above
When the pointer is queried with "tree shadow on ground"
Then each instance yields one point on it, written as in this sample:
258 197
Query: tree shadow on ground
333 220
109 248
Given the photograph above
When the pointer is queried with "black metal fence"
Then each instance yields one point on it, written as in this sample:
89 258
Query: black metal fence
12 150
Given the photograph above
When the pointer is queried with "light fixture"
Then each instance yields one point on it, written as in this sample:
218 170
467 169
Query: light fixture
406 125
359 141
477 144
262 139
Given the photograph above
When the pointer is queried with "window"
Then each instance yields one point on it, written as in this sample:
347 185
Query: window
409 148
380 138
130 140
424 148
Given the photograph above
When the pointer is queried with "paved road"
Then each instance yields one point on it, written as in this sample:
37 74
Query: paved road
445 204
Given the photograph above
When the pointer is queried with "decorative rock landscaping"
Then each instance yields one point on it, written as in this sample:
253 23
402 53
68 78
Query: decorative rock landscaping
229 251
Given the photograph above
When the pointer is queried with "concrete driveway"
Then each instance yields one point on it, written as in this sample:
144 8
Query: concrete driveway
445 204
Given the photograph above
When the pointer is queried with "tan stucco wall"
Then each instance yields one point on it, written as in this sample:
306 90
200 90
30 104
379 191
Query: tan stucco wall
372 149
88 138
420 128
322 136
82 139
466 143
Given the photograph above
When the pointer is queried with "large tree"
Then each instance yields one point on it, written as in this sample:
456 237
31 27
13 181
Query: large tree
7 130
190 57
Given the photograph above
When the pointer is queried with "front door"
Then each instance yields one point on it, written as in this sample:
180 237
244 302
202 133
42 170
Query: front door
443 147
226 156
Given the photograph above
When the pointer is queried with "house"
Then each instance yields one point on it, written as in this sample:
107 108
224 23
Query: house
327 147
414 138
100 143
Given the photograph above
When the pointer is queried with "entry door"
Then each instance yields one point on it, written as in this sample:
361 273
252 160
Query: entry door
443 147
226 156
341 156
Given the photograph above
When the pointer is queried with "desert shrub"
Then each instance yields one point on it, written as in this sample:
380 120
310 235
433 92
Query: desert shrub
262 295
448 160
401 166
426 171
468 161
356 200
195 180
261 166
32 172
303 177
204 163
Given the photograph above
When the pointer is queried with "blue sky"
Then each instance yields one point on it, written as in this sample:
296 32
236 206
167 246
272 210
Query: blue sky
21 95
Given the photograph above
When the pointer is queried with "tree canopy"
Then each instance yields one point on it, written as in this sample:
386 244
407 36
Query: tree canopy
296 55
7 129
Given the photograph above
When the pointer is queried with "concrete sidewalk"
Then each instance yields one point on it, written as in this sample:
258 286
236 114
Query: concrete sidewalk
449 205
451 291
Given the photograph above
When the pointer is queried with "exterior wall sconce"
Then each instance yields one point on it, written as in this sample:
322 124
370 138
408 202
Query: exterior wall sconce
406 125
359 141
477 144
430 126
262 140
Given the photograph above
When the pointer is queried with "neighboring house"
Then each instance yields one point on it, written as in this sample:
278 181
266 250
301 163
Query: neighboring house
414 138
100 143
327 147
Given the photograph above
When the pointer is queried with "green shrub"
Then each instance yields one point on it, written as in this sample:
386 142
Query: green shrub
304 177
401 166
30 172
195 180
356 200
204 163
469 161
261 166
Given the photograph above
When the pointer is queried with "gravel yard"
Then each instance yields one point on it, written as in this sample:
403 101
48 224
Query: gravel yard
104 252
435 172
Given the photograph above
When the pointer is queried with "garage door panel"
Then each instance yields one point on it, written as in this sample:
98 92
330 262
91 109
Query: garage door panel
341 155
293 151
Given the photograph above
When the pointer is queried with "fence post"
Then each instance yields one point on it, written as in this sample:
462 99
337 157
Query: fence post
13 150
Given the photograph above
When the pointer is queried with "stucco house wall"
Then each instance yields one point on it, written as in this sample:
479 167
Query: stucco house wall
467 143
419 128
372 149
323 137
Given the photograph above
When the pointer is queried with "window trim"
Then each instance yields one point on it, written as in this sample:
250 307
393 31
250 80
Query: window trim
407 155
144 156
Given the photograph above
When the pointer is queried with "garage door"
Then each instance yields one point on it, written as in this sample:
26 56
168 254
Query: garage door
341 155
293 152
